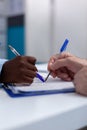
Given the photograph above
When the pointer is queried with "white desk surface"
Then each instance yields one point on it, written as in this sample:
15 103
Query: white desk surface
49 112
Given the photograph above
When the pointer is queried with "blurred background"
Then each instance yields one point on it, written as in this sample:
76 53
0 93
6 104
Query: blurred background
39 27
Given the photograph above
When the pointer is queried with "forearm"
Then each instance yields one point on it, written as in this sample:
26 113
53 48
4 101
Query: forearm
80 81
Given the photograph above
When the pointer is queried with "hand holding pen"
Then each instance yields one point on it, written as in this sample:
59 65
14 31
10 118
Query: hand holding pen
20 69
54 58
31 71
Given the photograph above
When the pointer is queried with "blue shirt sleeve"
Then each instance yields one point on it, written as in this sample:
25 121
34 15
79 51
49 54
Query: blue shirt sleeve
2 61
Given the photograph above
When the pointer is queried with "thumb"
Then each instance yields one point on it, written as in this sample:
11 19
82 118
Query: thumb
58 64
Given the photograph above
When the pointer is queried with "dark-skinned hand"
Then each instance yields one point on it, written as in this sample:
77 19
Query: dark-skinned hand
19 70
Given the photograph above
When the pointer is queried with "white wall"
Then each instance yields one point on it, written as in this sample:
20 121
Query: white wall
38 29
44 38
70 21
3 29
15 7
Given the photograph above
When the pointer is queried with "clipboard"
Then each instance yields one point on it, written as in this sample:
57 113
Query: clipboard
38 93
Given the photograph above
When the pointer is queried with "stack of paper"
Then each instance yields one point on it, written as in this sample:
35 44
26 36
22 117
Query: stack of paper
50 84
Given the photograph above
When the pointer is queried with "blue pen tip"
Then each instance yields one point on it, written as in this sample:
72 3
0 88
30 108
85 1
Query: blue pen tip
40 77
66 40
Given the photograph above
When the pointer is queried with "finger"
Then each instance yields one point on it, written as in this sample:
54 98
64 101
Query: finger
53 74
31 67
52 60
64 76
64 55
71 74
27 65
61 74
27 79
31 59
67 79
67 71
58 64
30 73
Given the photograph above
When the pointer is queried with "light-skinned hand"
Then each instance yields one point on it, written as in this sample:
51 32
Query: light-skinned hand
65 65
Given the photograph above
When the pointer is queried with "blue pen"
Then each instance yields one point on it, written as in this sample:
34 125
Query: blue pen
40 77
17 54
63 48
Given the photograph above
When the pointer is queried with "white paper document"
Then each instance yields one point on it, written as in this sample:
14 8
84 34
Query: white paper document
52 84
37 85
42 67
